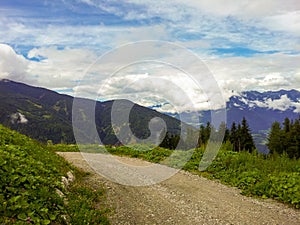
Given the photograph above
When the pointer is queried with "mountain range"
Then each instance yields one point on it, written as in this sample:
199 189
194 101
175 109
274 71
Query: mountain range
260 109
46 115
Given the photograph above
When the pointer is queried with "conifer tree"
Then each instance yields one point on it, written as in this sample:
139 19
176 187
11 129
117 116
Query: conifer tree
240 137
286 125
223 131
233 136
246 137
275 139
286 139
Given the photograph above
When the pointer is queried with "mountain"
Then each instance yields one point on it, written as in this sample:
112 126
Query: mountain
260 109
45 115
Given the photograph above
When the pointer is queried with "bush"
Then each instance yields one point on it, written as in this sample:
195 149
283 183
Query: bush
30 173
276 177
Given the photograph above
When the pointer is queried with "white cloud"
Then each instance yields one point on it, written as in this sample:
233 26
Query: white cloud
274 80
288 22
197 25
230 22
243 8
58 68
147 83
12 65
159 85
261 72
89 2
284 103
261 25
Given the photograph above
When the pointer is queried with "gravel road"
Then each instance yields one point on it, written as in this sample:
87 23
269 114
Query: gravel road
182 199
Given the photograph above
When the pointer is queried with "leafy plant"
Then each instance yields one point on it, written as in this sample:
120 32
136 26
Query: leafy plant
30 173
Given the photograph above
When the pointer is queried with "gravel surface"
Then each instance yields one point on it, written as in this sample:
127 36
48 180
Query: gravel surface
182 199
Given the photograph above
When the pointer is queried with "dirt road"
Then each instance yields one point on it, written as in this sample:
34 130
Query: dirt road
182 199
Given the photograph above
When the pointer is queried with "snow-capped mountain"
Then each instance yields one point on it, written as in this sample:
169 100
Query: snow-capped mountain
279 100
260 109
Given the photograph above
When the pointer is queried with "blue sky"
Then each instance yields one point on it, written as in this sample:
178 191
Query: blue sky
246 45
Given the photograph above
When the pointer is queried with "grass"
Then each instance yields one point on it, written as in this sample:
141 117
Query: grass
273 176
30 173
276 177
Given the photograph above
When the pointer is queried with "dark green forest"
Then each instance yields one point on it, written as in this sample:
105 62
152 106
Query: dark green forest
285 138
239 136
282 139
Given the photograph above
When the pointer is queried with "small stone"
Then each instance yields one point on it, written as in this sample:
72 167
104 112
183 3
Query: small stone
60 193
65 182
71 177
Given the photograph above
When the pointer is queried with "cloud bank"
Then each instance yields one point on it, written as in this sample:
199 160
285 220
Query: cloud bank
247 45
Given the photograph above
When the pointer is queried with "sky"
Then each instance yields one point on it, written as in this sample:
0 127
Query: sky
145 50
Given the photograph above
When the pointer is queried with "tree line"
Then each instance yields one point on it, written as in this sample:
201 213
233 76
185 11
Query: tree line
286 138
239 135
282 139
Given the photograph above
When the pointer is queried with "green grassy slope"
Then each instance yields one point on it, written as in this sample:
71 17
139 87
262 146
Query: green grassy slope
30 173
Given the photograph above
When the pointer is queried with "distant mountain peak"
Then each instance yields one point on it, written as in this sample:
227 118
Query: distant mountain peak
5 80
282 100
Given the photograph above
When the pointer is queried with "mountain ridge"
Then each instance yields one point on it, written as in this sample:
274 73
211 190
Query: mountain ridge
261 109
47 115
23 103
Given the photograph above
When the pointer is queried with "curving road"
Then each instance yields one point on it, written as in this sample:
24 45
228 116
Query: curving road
182 199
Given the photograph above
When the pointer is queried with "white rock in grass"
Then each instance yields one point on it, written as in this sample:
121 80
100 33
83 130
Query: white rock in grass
71 177
65 182
60 193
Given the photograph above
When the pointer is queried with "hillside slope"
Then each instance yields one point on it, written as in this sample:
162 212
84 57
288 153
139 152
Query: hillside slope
46 115
30 175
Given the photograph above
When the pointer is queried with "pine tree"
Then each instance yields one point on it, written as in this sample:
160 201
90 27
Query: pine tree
294 140
286 125
240 137
286 139
286 133
223 131
275 139
201 136
246 137
233 136
207 132
166 140
297 137
204 134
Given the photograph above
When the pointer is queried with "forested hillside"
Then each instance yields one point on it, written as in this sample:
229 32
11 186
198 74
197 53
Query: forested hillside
46 115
